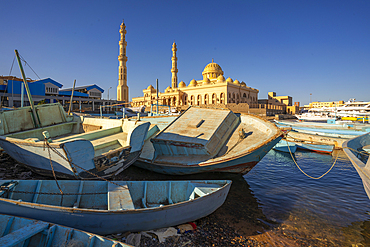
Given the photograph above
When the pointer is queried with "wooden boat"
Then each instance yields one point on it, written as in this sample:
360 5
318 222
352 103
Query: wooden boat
72 146
285 146
208 140
104 207
309 138
354 149
18 231
315 147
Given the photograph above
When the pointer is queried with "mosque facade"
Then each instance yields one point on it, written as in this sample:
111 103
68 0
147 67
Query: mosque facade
213 89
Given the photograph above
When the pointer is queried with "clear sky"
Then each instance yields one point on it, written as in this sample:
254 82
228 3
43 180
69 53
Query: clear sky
294 48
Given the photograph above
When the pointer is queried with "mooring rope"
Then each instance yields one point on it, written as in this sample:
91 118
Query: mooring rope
295 162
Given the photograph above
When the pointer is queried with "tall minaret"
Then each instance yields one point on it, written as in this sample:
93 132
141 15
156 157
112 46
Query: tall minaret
122 88
174 66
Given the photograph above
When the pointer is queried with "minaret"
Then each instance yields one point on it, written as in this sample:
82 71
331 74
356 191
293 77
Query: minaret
174 66
122 88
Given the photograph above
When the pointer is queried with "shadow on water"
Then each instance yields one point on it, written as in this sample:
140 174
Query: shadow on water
240 210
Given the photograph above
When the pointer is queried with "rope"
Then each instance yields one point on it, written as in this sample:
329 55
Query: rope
25 63
55 178
306 173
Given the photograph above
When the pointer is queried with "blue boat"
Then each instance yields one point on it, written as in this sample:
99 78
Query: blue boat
107 207
68 145
285 146
208 140
315 147
18 231
358 151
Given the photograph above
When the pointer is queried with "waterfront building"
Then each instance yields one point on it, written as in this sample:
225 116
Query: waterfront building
213 89
122 88
319 104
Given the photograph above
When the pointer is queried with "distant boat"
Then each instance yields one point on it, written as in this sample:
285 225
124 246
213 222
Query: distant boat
310 138
18 231
71 146
285 146
316 147
358 151
104 207
208 140
316 115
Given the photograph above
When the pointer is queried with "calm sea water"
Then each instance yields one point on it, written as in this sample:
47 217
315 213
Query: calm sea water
335 207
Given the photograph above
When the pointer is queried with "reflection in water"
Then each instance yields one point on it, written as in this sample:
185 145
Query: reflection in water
316 209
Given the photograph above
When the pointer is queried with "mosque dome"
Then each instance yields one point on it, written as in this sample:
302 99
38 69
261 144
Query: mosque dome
150 87
229 80
182 84
168 89
193 83
236 82
243 84
220 78
206 81
212 71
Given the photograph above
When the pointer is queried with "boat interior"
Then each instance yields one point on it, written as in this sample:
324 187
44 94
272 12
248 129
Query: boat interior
104 134
104 195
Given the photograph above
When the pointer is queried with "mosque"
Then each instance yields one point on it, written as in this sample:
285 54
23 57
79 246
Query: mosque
212 89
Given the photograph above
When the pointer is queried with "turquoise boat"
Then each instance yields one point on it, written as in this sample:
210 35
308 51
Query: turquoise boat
72 147
207 140
285 146
18 231
358 151
107 207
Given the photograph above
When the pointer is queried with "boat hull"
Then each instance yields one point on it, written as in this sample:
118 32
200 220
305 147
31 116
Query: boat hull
18 230
124 219
241 164
321 148
297 136
353 149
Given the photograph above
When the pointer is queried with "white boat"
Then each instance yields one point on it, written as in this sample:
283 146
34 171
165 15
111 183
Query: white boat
353 108
316 115
70 146
104 207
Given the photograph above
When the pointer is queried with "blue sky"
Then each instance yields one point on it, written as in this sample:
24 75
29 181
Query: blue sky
294 48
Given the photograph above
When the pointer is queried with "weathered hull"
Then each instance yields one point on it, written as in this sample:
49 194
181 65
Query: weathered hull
239 164
67 158
17 230
361 163
122 219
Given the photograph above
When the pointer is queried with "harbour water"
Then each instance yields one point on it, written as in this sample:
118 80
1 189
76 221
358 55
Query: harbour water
334 209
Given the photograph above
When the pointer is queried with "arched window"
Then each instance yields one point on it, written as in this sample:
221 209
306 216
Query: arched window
174 101
185 99
244 95
192 100
206 99
199 100
237 96
222 98
214 99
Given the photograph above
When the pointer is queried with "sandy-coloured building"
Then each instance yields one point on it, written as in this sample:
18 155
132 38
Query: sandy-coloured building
212 89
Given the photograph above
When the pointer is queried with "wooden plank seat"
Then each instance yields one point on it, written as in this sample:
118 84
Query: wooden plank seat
23 234
92 135
119 197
